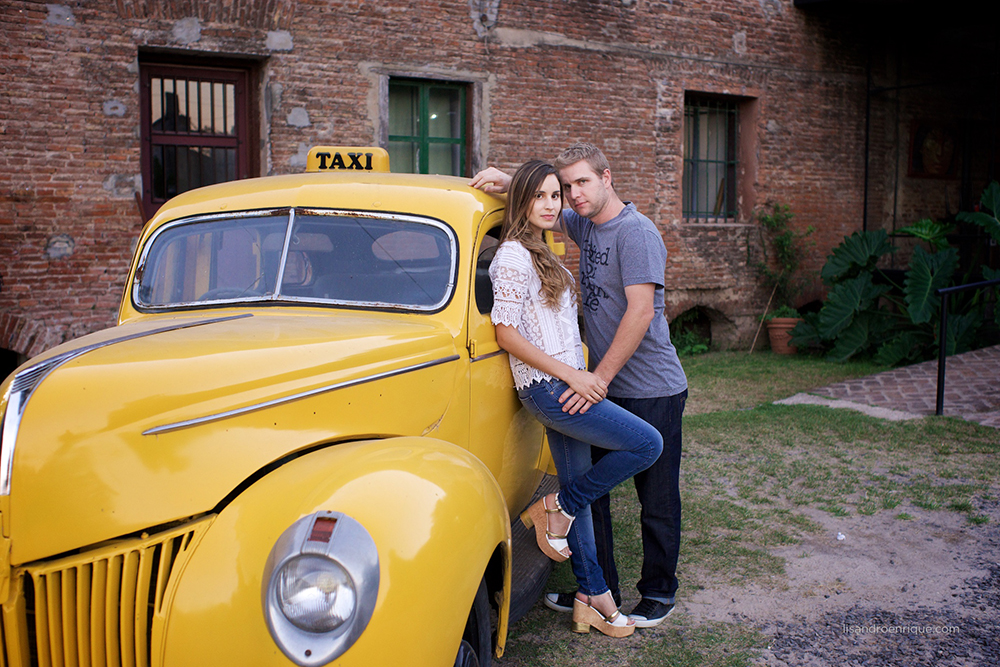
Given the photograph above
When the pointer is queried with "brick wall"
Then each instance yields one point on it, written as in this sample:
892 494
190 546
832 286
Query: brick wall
547 73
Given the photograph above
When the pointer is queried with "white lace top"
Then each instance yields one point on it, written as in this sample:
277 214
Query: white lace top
517 302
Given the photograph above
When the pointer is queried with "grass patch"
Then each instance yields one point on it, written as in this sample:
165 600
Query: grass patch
709 644
839 461
543 638
737 380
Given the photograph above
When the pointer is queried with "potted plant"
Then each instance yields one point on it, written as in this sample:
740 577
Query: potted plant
783 249
780 323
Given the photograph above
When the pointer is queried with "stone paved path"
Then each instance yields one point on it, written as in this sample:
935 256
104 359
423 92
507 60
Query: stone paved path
972 388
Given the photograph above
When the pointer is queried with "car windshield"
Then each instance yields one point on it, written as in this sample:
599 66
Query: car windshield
298 255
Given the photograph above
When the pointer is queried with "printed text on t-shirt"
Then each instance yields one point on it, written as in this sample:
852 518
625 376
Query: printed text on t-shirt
592 292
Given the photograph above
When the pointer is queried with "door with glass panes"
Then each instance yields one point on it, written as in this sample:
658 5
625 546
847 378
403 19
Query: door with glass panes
194 129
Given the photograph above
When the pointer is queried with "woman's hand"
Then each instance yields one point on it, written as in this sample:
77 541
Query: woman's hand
587 389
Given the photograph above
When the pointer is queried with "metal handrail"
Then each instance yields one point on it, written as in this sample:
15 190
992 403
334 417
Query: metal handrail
944 292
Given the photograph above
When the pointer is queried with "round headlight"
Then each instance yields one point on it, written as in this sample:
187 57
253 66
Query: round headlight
315 593
319 587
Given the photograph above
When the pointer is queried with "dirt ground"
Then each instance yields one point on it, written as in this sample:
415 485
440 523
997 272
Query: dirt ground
875 590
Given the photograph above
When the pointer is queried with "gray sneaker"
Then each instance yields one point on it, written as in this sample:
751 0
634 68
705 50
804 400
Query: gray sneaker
649 613
561 602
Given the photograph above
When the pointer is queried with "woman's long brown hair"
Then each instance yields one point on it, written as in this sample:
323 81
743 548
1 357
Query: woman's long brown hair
520 198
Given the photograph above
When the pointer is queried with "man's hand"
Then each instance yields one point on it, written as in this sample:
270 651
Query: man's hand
573 402
492 180
585 390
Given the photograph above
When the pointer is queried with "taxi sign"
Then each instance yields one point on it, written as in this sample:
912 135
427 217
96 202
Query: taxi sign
347 158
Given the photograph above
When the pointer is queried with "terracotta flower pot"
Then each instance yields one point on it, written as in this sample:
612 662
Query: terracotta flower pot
779 330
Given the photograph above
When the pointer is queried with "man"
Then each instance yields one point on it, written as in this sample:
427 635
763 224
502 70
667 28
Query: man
622 263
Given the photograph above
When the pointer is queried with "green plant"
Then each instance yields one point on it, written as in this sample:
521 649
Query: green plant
782 311
935 233
689 343
783 249
686 337
988 221
870 313
986 217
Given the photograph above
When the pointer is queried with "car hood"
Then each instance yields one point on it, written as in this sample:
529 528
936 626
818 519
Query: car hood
159 420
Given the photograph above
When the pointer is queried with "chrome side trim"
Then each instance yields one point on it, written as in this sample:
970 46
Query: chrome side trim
26 382
489 356
166 428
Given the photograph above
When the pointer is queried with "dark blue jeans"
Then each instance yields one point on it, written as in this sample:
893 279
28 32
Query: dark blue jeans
630 443
658 488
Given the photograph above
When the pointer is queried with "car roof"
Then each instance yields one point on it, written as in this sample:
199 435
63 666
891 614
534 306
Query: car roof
446 198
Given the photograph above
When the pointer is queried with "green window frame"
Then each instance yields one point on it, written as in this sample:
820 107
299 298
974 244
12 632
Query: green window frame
427 127
711 127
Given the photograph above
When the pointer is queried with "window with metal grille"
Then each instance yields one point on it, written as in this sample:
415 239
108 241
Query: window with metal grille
194 129
710 150
427 127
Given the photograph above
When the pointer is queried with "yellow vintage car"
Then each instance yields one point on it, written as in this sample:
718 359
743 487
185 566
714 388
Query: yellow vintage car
300 445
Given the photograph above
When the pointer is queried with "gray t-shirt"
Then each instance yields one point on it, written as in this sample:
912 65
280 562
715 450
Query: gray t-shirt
626 250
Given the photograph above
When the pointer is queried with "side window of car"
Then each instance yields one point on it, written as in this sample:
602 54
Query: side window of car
484 286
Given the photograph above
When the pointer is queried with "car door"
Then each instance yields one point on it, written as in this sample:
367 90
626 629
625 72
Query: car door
502 433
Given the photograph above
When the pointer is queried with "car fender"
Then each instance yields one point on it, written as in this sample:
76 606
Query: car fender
437 518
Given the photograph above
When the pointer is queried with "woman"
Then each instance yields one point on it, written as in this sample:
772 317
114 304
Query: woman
534 311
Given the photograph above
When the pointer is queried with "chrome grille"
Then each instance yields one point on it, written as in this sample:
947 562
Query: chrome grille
102 608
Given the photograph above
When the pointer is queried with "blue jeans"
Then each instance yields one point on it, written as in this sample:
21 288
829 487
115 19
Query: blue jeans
658 489
630 444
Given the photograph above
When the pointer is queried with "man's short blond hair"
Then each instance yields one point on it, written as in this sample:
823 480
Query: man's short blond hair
583 151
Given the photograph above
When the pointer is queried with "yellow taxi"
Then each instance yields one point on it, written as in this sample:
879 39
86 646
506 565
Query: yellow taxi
300 445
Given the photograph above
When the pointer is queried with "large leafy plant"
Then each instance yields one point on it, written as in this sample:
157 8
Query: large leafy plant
869 312
990 202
